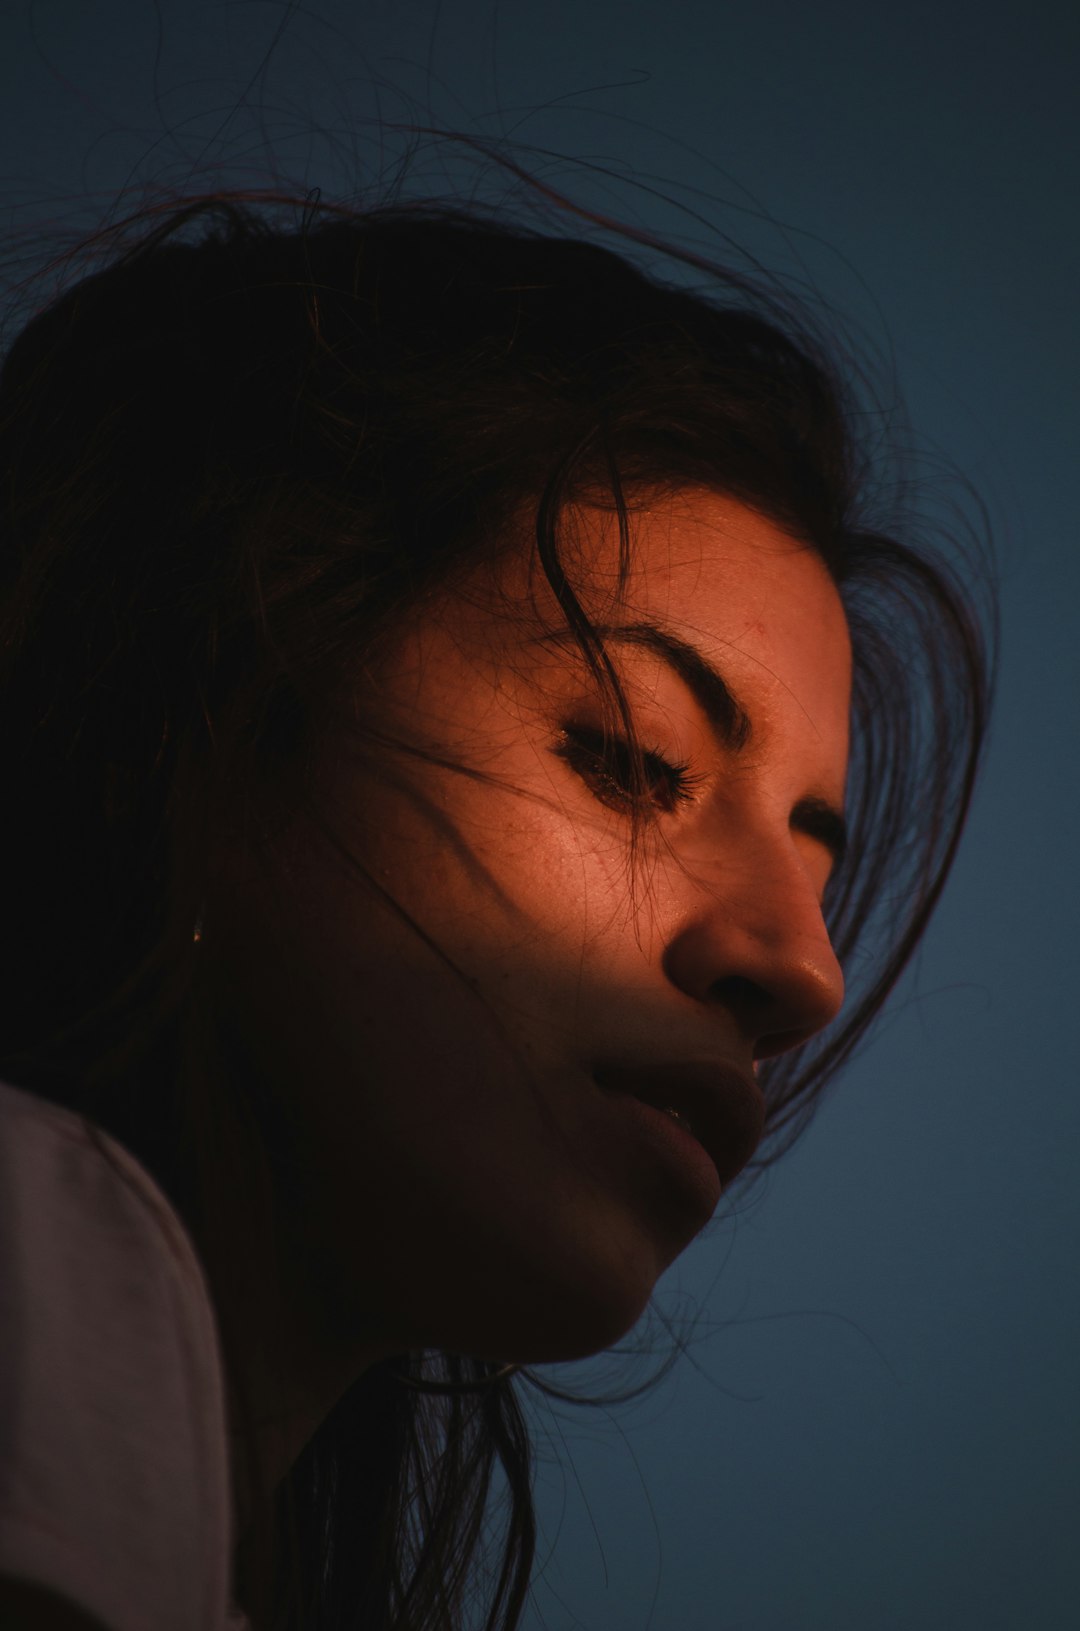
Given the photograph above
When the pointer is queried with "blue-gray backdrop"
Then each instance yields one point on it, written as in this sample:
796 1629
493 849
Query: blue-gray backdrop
878 1427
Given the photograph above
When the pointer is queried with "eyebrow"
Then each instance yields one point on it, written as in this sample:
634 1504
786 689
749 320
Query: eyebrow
721 707
813 816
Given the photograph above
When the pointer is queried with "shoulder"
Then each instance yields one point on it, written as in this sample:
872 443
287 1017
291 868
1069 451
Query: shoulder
113 1448
64 1161
92 1251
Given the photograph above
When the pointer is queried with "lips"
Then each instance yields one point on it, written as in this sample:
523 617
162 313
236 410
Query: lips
723 1107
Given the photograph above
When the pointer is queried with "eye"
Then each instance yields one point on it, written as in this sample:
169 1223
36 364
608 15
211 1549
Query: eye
606 766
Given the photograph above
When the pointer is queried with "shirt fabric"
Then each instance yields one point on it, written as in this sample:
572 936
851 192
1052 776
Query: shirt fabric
114 1468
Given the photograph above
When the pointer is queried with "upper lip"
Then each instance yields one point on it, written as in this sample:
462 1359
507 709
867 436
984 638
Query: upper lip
723 1104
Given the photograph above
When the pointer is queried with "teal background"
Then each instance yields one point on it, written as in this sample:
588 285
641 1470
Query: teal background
876 1427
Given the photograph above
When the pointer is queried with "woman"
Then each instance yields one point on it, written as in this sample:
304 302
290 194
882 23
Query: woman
469 723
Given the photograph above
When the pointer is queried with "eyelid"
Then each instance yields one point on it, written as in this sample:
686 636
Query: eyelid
584 747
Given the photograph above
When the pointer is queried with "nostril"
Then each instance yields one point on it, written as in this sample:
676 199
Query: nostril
743 996
774 1021
738 985
779 988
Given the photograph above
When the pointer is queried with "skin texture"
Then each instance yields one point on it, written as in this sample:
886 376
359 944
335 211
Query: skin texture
461 1183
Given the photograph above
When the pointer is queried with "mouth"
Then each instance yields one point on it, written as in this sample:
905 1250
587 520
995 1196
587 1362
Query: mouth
719 1105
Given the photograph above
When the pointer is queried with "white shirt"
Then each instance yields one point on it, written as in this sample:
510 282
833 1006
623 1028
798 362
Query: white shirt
114 1469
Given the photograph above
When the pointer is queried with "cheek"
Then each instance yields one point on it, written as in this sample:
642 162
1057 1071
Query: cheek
531 906
461 852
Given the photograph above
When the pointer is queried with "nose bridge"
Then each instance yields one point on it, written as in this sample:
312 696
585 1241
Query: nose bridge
752 936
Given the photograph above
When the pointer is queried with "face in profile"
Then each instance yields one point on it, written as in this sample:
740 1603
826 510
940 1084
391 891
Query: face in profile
457 1041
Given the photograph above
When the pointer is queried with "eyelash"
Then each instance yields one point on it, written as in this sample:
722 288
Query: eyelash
605 766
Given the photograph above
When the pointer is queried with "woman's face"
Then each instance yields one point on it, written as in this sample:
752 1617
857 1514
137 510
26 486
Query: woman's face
468 1184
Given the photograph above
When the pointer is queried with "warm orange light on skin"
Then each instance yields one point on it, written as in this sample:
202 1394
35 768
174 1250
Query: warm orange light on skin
460 1190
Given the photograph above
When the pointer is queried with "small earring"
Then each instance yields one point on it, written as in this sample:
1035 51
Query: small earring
198 930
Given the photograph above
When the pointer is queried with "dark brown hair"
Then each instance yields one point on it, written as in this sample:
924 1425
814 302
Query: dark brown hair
233 448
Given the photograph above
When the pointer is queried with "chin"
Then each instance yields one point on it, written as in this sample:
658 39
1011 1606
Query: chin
547 1319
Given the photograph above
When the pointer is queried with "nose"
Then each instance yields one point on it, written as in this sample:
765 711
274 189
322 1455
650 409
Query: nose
752 940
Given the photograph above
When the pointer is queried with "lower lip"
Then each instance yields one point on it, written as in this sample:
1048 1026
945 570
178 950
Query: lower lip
687 1160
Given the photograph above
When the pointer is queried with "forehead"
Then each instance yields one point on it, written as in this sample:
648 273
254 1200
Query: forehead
757 601
694 548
